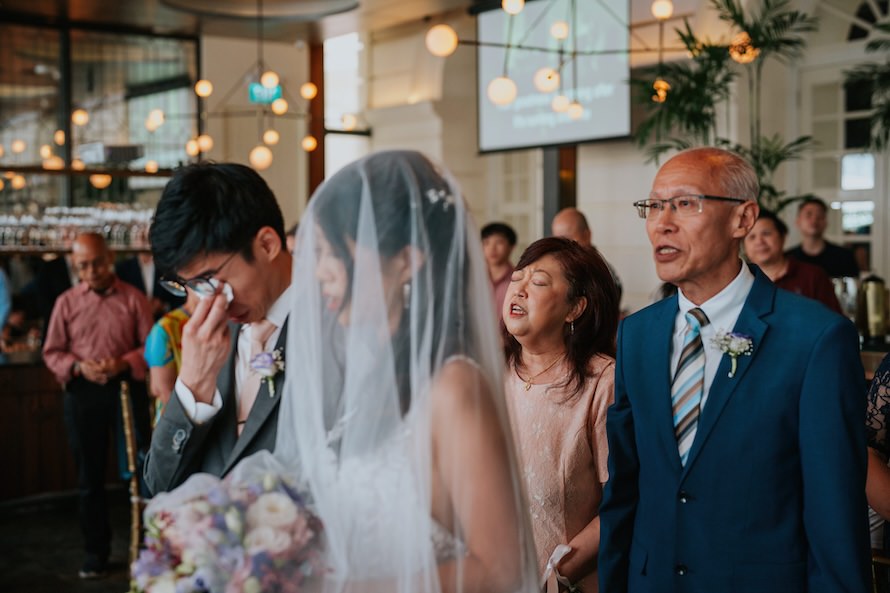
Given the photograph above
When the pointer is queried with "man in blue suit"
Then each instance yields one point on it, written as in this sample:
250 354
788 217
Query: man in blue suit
736 460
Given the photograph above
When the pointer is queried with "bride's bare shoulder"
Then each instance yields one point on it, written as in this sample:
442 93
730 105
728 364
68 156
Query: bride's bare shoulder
460 383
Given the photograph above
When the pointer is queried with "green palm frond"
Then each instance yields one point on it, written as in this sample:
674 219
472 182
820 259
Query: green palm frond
698 85
776 30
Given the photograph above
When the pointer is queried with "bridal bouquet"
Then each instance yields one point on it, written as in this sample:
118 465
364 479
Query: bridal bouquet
213 536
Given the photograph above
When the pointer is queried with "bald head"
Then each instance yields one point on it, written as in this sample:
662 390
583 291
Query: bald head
93 261
571 224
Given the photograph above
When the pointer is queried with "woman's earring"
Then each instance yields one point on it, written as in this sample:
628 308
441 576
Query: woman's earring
572 326
406 295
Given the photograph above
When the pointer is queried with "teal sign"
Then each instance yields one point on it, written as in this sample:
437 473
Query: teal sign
260 94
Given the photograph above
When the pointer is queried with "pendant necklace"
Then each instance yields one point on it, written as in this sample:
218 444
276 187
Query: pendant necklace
528 382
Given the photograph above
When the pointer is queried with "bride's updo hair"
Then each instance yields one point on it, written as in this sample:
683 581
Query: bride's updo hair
413 205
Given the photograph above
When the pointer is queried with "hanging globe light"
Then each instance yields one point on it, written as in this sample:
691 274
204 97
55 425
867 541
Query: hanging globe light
348 121
2 184
741 49
546 80
45 151
17 182
560 103
269 79
54 163
2 151
77 165
157 116
191 148
279 106
308 90
575 110
662 9
260 157
501 91
80 117
513 6
559 30
18 146
309 143
661 87
441 40
205 143
150 124
100 180
151 166
203 88
58 138
271 137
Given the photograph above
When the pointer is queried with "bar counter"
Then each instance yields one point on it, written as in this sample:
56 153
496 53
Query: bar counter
34 454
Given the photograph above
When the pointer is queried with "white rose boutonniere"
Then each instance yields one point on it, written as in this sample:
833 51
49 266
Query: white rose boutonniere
267 365
735 345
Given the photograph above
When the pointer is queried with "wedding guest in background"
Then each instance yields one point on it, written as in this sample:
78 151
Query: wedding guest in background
764 246
877 487
736 461
812 220
498 241
163 351
561 315
572 224
94 341
218 230
292 238
140 271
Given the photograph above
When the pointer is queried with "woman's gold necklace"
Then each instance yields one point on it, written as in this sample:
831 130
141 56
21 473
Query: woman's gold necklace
528 382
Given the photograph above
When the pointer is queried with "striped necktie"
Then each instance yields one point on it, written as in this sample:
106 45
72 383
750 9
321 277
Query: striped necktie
689 382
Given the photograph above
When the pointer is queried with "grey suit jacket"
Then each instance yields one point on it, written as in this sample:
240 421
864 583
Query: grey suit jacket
180 448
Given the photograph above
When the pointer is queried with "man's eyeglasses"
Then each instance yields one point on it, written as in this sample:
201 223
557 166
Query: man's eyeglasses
204 285
687 205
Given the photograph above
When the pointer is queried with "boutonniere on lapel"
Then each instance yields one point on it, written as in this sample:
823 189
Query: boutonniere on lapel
735 345
267 365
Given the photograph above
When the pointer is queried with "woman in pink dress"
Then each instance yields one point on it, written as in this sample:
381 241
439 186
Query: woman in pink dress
561 317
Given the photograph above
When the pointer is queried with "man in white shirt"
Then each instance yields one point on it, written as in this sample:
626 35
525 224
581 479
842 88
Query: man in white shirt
736 444
218 230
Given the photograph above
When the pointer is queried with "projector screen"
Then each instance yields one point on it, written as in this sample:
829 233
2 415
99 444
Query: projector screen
601 86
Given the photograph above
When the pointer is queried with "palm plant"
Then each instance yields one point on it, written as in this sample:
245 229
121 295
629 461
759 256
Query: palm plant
877 75
688 114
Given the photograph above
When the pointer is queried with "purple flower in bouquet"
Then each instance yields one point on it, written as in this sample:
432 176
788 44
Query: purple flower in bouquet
267 365
229 538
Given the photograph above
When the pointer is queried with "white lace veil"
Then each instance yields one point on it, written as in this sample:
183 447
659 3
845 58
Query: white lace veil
393 413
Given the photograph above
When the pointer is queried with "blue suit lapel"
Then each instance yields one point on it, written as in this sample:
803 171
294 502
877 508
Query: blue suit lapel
750 323
659 381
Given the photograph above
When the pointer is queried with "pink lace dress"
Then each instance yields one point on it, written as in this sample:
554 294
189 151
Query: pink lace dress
563 453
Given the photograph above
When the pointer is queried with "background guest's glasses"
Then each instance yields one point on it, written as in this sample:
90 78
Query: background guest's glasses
685 205
204 285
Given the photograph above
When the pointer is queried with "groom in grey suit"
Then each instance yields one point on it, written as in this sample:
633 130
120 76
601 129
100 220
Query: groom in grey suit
218 230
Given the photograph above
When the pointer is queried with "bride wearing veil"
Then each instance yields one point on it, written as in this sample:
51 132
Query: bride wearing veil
405 448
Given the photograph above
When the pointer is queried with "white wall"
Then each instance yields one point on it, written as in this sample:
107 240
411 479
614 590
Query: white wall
225 62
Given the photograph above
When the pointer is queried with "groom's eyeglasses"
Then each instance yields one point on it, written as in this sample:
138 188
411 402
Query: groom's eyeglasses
686 205
204 285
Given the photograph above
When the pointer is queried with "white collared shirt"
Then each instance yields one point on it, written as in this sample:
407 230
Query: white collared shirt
200 412
148 275
723 310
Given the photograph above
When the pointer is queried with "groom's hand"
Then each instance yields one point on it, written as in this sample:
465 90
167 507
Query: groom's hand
205 346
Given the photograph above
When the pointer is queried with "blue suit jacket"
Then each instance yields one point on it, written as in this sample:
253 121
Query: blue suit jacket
772 498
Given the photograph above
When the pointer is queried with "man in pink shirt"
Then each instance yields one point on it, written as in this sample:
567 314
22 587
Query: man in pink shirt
96 333
498 241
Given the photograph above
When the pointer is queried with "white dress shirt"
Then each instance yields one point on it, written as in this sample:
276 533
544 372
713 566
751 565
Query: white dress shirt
148 275
200 412
723 311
